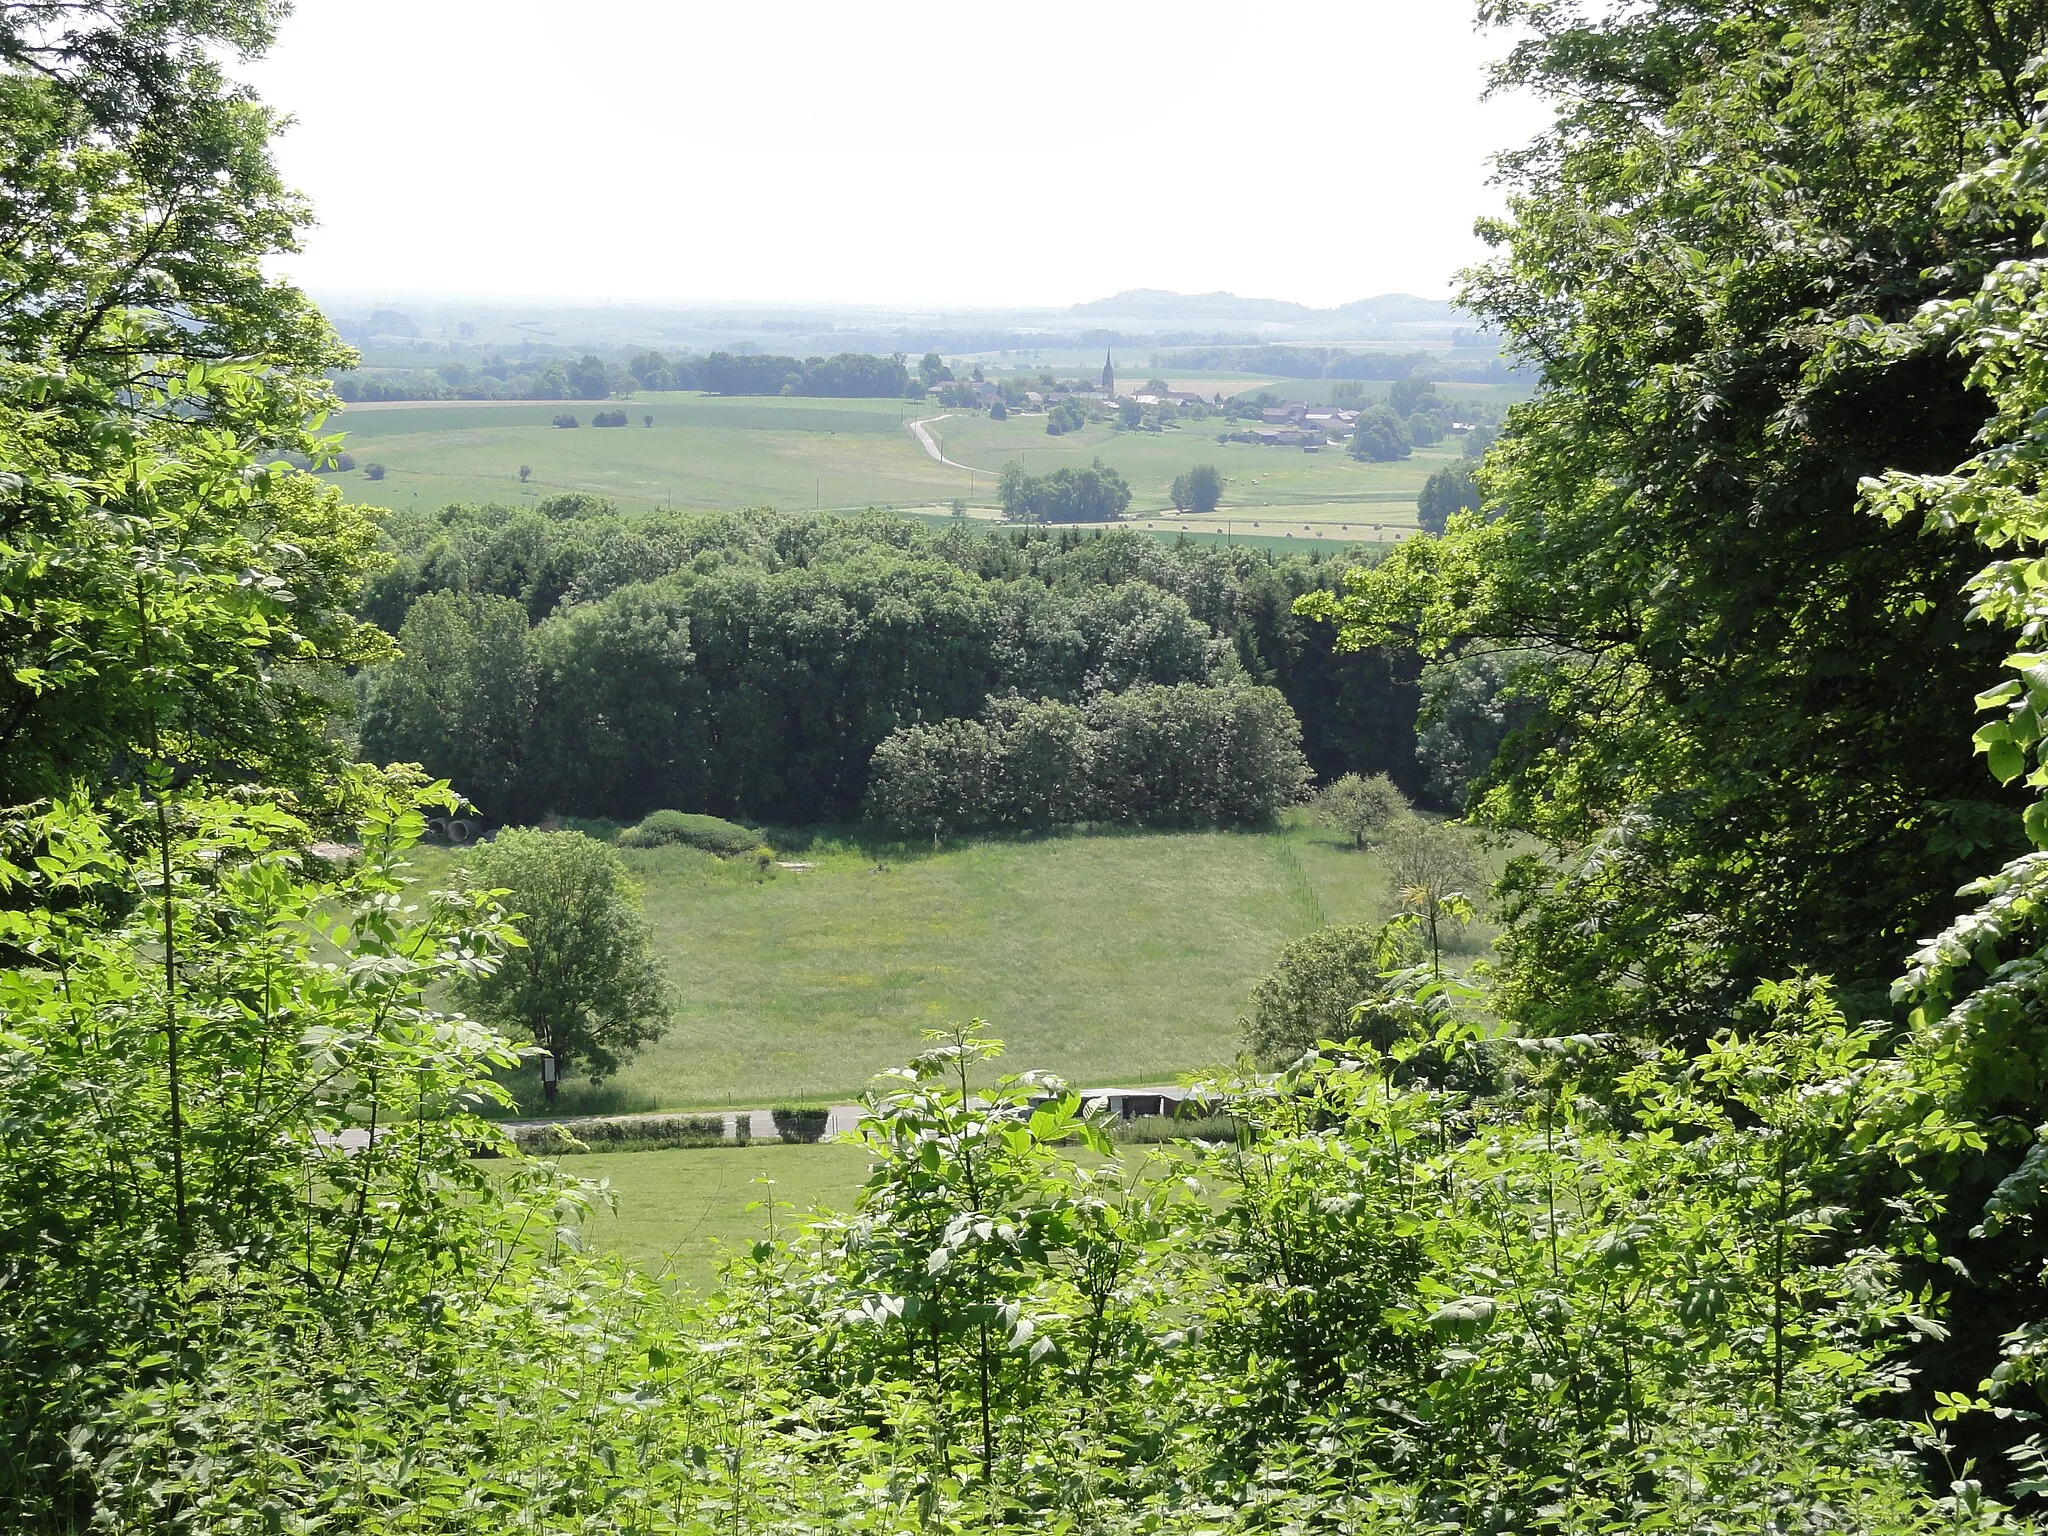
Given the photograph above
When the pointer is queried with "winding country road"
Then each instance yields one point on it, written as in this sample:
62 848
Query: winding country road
931 446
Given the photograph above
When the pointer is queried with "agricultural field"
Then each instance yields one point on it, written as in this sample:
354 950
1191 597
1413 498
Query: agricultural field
706 451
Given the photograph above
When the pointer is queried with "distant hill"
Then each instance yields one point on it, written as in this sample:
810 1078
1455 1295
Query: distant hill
1162 306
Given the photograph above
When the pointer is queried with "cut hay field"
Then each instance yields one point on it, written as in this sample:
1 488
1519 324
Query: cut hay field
710 452
1108 957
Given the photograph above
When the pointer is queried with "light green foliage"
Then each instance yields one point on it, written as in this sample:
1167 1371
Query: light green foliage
713 834
227 1087
1360 808
1434 872
582 983
1348 1316
153 580
1185 756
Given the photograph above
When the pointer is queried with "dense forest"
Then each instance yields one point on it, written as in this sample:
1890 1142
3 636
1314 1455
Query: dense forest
568 659
1713 1202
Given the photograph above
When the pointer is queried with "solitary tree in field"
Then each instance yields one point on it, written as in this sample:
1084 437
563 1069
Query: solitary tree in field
585 986
1360 808
1434 871
525 470
1199 490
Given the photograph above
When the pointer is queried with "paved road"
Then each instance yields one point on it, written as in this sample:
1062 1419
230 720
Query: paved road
932 447
761 1123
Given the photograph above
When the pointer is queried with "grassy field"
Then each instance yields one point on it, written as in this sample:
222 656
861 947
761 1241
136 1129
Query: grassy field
1109 958
677 1211
705 451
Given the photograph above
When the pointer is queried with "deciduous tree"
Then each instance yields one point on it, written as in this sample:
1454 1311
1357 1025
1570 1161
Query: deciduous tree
583 985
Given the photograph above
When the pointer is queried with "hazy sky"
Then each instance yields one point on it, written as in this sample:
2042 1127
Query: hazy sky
887 152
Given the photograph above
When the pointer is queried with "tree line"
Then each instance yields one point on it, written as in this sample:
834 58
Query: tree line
570 660
848 375
1164 756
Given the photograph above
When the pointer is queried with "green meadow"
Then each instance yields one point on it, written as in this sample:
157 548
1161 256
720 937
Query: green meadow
673 1214
712 452
1106 957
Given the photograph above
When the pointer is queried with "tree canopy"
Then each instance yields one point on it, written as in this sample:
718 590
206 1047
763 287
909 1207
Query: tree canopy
583 983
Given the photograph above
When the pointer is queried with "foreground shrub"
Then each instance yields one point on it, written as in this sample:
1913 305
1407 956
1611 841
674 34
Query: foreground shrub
665 829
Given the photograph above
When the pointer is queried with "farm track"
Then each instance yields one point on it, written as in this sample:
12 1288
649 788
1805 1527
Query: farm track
932 447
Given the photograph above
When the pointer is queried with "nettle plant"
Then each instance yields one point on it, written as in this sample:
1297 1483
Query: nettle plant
987 1282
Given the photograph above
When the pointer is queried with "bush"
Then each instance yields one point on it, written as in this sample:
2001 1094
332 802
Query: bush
803 1126
1309 994
608 419
663 829
1360 808
566 420
373 471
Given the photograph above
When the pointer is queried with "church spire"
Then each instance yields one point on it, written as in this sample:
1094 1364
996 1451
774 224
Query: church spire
1108 374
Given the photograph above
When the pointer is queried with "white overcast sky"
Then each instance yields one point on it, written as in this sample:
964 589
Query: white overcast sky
908 152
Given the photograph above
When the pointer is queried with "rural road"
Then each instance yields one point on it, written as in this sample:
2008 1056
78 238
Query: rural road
931 445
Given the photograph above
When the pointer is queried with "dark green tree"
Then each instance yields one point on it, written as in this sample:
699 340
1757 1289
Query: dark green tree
459 699
588 380
1198 490
1454 488
1380 436
1749 751
584 985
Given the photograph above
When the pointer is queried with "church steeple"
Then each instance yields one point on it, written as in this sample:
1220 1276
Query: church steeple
1108 374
